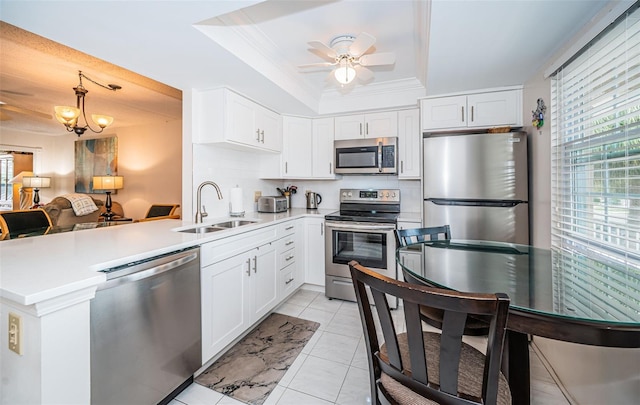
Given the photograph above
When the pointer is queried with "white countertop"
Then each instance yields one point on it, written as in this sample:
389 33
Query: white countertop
39 268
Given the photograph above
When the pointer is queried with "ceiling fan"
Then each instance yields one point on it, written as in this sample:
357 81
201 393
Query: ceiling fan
347 54
9 107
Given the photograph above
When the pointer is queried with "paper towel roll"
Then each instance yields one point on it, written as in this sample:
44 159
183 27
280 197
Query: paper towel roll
235 201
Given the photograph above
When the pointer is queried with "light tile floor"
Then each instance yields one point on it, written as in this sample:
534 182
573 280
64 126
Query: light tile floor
332 368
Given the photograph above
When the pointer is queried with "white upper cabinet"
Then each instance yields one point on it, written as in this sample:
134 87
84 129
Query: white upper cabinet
375 125
409 145
322 154
296 148
477 110
222 116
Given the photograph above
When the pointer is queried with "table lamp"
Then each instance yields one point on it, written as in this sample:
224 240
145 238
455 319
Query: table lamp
108 183
36 183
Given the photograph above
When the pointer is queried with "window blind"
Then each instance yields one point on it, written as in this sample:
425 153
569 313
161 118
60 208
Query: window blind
595 185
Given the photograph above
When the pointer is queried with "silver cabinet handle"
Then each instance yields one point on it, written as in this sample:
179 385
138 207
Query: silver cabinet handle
360 128
289 228
255 264
289 257
366 129
288 243
258 134
330 168
288 281
249 267
286 167
402 166
262 136
463 114
471 113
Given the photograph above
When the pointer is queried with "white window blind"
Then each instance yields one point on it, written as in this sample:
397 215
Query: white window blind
595 129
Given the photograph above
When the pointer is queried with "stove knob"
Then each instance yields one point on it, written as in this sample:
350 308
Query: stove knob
393 195
344 193
350 195
387 195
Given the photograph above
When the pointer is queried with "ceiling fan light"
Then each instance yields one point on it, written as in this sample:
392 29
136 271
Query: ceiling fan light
67 115
345 73
102 121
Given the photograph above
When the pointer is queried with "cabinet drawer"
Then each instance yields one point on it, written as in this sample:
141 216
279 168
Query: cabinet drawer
286 243
287 281
287 228
287 257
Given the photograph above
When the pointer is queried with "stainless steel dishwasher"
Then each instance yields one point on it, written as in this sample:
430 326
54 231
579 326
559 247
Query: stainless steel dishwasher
145 330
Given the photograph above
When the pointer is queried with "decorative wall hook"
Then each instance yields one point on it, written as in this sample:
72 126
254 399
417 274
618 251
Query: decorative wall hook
537 119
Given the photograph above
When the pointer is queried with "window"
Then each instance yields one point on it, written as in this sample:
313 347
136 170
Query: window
6 174
595 183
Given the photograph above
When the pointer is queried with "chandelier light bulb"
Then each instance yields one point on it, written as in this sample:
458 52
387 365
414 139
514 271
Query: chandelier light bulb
67 115
102 121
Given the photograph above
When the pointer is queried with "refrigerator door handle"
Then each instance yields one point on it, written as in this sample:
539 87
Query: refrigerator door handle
477 203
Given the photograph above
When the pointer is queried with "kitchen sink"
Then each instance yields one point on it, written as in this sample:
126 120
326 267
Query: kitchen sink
233 224
202 229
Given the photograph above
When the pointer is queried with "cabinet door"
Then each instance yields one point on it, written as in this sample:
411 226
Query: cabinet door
225 303
349 127
296 148
444 112
314 251
410 261
323 156
270 126
498 108
264 280
409 137
380 125
241 117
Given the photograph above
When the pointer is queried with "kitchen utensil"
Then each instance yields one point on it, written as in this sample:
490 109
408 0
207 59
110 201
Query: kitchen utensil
313 200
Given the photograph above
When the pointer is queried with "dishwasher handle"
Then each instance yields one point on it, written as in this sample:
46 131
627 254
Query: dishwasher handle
169 263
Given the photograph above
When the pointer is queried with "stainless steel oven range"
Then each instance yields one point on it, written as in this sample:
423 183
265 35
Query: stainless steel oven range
362 230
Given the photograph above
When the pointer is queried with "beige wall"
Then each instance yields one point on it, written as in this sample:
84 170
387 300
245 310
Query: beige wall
149 158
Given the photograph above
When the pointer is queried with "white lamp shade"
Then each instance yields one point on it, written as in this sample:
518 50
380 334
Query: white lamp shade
108 182
18 179
36 182
345 73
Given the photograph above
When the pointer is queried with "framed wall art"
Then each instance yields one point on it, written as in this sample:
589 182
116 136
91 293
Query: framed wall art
94 157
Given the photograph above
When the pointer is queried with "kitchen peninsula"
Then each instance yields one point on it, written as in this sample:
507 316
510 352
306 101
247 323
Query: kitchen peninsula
48 281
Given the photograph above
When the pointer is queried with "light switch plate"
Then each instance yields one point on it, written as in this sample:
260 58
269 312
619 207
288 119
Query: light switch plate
15 333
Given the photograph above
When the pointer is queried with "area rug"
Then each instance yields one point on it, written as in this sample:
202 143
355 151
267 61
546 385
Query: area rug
251 369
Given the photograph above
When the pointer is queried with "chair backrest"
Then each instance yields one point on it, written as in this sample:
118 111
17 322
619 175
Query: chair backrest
13 224
406 237
409 367
161 210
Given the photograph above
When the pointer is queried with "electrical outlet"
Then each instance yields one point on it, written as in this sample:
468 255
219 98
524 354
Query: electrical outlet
15 333
256 195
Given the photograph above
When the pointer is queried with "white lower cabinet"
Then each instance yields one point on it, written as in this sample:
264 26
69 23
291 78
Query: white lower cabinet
226 310
243 278
314 251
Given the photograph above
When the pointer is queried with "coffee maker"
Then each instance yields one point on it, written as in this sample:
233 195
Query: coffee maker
313 200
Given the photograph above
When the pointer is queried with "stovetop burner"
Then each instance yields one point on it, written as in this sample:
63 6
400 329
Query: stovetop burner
367 205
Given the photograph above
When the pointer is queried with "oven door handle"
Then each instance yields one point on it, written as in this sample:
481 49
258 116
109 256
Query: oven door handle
359 227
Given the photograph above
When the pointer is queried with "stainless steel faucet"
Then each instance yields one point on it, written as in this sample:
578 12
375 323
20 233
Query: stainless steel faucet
201 214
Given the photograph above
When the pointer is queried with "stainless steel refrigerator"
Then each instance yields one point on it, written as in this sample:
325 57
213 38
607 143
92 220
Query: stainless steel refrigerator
478 184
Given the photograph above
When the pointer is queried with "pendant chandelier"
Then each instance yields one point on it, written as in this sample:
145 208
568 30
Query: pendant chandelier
69 116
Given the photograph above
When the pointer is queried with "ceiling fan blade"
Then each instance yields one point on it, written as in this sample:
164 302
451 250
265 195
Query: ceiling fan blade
323 48
364 74
25 111
320 64
374 59
362 43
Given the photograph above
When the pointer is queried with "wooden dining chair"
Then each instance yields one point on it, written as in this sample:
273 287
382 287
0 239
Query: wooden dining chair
420 367
13 224
161 210
406 237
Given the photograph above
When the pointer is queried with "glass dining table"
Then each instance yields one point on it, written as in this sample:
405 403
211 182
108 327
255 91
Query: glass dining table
556 294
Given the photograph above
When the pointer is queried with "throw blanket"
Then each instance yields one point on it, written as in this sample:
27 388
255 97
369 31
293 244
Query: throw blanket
82 204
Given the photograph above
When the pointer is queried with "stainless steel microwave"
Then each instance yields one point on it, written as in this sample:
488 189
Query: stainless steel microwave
367 156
